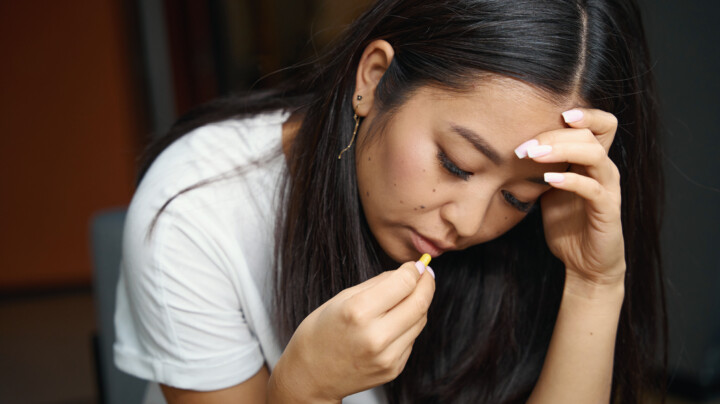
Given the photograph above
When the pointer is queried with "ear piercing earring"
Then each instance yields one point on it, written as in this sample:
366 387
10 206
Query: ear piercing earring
357 124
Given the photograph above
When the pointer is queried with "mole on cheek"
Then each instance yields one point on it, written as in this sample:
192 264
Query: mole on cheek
368 194
401 202
422 206
369 158
433 189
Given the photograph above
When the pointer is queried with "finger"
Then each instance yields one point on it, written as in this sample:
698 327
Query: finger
393 364
353 290
405 356
565 135
590 155
589 189
603 124
406 313
405 341
389 291
370 282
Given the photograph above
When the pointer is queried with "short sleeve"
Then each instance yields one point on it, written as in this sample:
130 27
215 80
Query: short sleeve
179 319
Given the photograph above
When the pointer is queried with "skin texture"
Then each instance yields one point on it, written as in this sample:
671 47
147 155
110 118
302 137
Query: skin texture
363 336
405 187
251 391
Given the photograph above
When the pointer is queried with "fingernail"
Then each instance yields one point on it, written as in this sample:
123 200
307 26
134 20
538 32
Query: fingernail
521 150
554 177
431 272
420 267
539 151
573 115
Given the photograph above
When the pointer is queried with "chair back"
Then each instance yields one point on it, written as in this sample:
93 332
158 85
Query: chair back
115 386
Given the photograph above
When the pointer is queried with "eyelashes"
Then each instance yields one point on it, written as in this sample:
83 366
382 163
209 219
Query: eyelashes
516 203
453 169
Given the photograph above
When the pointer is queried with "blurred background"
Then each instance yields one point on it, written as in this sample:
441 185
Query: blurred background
85 85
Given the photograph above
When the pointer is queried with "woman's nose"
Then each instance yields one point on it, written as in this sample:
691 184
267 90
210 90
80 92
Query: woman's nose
466 215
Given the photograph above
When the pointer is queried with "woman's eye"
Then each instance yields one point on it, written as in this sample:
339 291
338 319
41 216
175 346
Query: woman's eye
452 167
516 203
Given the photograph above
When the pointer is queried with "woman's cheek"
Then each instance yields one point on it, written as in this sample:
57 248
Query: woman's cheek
411 164
403 171
504 220
413 180
498 221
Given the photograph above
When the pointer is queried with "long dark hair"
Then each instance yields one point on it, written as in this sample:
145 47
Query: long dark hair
494 307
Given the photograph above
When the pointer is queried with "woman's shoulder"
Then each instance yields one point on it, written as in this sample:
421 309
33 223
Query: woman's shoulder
240 147
223 174
220 146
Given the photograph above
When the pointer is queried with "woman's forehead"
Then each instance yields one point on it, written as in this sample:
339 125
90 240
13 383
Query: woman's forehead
504 109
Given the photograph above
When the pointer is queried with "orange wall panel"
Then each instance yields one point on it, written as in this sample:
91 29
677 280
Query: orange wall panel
69 134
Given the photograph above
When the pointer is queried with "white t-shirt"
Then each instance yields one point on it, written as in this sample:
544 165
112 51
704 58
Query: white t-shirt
194 300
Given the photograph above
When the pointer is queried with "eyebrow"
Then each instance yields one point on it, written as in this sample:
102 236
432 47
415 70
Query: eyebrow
479 143
484 147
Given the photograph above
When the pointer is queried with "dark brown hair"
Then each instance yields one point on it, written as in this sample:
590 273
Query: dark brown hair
495 304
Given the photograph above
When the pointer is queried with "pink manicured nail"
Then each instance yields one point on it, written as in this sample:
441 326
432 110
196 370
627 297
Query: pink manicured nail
539 151
420 267
521 150
431 272
573 115
554 177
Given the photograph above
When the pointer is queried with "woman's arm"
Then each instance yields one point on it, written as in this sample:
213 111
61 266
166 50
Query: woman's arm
583 228
579 363
250 391
262 388
259 389
359 339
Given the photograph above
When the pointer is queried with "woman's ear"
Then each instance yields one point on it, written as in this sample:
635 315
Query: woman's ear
373 63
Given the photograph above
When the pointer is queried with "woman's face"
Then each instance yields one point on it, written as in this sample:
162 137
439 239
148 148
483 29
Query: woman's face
442 175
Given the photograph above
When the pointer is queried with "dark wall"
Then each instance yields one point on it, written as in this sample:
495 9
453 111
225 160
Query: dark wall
69 126
684 37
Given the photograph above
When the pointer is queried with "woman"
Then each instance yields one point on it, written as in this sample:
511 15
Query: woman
512 141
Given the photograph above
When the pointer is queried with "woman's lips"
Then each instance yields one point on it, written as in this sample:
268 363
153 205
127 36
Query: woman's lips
423 245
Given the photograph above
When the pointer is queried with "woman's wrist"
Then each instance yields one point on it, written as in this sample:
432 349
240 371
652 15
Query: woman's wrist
610 286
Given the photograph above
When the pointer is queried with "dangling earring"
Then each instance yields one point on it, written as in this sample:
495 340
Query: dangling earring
357 124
